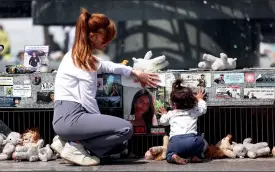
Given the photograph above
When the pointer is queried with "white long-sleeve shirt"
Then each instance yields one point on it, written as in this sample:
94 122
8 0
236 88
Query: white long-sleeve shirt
183 121
75 84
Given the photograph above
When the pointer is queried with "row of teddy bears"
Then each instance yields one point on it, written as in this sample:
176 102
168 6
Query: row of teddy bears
27 146
225 148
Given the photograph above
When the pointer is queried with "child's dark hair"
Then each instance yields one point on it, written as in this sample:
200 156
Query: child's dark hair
182 97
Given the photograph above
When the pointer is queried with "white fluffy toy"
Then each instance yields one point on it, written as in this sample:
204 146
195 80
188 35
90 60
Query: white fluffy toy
215 63
150 65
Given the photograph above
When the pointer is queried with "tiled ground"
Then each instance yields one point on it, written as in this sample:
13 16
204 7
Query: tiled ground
267 164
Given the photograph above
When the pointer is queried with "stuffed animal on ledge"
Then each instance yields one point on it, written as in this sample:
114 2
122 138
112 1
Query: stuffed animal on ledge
222 149
31 143
10 143
239 150
257 149
150 65
45 154
273 151
2 139
215 63
158 152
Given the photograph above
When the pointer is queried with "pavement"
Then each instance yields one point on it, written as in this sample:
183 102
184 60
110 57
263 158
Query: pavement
261 164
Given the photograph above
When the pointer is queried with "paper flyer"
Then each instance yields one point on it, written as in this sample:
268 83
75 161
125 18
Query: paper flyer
228 92
196 79
22 91
109 91
36 56
139 107
259 93
229 78
265 80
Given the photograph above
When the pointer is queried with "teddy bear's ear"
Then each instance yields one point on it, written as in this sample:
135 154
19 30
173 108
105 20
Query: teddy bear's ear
134 59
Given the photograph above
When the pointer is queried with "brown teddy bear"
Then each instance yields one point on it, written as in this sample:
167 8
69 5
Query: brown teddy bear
158 152
222 149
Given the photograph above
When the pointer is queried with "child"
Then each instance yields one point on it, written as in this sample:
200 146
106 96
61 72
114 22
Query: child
184 141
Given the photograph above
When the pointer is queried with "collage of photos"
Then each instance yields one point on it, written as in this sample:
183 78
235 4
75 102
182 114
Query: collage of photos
36 56
140 107
109 91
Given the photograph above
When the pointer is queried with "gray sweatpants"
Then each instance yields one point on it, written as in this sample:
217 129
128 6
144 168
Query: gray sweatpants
98 133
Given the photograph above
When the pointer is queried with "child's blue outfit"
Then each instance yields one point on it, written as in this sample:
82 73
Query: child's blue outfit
184 139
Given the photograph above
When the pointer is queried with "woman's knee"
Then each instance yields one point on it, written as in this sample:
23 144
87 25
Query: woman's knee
129 130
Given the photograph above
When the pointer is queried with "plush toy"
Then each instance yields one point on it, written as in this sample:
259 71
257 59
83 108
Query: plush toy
10 143
215 63
2 139
150 65
273 151
239 149
30 146
222 149
45 154
158 152
257 149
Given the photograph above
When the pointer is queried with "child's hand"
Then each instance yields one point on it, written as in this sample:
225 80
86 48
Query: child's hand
162 110
200 94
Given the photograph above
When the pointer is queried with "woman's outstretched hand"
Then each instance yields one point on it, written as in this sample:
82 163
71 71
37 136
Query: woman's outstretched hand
149 79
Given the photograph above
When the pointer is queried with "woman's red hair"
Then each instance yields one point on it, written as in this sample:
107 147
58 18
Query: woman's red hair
86 25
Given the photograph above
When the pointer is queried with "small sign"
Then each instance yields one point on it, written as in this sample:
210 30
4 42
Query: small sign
139 130
47 86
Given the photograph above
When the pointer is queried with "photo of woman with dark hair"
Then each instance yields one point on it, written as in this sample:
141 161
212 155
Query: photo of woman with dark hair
142 109
34 60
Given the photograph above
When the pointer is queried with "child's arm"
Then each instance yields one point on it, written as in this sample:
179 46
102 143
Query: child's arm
200 109
164 119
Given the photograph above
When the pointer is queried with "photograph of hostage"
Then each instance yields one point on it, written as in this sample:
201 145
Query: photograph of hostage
185 143
84 135
34 60
143 110
220 80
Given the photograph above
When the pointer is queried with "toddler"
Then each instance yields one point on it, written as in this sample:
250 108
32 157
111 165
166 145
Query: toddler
184 141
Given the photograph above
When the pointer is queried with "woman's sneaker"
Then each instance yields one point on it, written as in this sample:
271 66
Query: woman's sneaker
78 155
58 144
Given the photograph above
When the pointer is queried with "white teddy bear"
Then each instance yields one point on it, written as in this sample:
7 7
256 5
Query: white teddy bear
150 65
215 63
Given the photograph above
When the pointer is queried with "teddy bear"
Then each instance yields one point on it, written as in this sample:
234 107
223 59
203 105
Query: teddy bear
273 151
45 154
215 63
2 138
150 65
239 149
257 149
222 149
31 143
158 152
10 143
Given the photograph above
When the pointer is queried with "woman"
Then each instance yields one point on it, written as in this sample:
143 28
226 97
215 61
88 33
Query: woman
34 60
142 109
77 119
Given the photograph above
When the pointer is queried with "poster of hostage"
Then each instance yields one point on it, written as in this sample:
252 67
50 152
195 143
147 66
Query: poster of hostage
140 108
196 79
259 93
228 92
36 56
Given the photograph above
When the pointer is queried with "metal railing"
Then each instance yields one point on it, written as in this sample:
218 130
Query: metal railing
241 122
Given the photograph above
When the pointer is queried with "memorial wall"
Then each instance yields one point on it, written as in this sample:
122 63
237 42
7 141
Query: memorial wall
248 87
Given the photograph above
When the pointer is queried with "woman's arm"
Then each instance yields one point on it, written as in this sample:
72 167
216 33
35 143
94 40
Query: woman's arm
115 68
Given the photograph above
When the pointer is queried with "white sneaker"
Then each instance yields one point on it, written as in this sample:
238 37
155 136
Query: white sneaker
58 144
78 155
